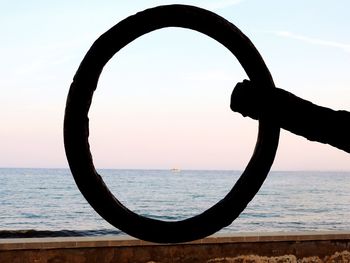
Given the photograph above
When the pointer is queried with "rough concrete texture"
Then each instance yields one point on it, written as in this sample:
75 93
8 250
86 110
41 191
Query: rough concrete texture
338 257
272 248
343 257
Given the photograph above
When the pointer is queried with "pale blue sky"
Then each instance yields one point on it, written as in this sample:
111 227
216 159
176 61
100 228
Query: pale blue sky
163 101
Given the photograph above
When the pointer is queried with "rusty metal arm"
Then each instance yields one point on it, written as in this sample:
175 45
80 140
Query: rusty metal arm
299 116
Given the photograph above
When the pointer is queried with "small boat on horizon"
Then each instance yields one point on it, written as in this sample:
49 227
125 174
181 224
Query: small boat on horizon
175 170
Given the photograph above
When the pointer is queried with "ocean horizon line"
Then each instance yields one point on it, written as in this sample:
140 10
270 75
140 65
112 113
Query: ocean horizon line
180 169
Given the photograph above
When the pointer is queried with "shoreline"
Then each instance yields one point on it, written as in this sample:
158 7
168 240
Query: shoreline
122 239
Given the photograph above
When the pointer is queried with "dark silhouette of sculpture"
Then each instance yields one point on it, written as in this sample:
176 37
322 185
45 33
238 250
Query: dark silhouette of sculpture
76 125
292 113
258 98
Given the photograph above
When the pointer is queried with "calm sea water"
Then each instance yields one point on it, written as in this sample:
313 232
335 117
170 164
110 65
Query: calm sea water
48 200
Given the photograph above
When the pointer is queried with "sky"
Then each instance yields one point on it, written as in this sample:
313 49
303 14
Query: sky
163 100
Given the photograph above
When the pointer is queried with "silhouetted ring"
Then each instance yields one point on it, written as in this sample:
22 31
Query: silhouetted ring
76 127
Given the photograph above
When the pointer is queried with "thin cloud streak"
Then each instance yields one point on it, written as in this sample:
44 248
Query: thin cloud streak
217 5
314 41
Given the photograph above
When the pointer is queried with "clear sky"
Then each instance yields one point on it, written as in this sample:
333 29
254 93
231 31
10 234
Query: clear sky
163 101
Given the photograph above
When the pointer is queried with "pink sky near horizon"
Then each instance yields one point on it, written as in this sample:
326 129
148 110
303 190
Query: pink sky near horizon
163 101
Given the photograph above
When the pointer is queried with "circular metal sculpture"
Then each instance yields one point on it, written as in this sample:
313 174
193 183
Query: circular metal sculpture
76 126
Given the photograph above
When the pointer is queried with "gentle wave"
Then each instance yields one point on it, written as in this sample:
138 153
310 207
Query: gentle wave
31 233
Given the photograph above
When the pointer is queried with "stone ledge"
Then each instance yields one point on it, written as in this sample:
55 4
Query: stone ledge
126 241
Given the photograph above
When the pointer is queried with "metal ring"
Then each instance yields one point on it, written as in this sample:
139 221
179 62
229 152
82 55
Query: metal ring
76 127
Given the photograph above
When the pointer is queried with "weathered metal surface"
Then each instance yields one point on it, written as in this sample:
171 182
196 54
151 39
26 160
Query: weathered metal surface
299 116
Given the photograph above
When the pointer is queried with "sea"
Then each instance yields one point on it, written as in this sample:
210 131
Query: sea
47 202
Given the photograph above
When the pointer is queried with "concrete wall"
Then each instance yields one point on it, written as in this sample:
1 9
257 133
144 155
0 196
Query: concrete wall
269 247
